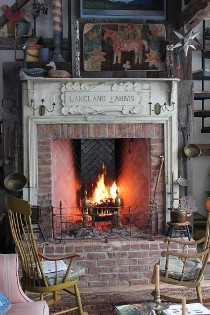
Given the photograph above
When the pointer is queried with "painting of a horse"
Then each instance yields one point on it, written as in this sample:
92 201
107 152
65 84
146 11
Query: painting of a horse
124 47
121 45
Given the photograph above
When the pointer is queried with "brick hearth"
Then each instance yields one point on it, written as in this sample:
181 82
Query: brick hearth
116 262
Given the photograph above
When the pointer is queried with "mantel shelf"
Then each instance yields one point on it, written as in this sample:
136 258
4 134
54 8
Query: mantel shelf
10 43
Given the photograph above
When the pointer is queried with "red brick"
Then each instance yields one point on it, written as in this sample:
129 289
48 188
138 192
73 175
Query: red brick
88 247
154 245
126 246
118 130
128 262
139 254
64 131
60 248
119 269
97 130
145 245
139 281
70 131
147 261
129 276
104 131
77 131
138 268
116 254
91 131
94 284
109 276
99 269
85 131
49 131
44 155
78 248
49 249
124 131
136 246
69 248
109 262
138 130
97 256
111 131
57 132
98 247
131 131
88 263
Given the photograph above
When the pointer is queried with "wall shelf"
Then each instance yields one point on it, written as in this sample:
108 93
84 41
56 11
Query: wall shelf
203 75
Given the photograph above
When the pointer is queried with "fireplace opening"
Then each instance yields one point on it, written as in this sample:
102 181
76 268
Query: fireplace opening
120 168
77 165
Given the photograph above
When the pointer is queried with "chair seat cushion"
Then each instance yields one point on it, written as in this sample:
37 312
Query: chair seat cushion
75 272
4 304
175 268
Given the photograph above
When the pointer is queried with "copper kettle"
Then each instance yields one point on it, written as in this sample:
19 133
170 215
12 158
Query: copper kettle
179 215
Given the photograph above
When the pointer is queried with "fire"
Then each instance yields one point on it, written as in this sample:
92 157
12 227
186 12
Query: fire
103 192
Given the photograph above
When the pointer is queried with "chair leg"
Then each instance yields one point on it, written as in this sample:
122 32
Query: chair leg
199 294
78 299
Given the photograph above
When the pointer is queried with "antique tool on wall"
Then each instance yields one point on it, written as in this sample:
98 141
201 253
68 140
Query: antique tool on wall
196 150
15 181
158 178
9 161
154 215
181 180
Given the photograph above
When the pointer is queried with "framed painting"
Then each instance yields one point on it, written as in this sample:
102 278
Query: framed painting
124 47
139 9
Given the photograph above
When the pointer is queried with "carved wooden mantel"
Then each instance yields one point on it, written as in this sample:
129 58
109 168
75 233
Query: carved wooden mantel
101 97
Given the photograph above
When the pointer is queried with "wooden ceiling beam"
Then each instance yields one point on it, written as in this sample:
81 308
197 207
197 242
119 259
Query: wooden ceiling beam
194 13
15 7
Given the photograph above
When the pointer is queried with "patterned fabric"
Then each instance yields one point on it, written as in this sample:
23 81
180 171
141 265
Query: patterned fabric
124 47
192 268
4 304
75 272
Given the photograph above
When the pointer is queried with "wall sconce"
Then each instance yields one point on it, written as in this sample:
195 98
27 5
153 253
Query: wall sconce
158 108
42 108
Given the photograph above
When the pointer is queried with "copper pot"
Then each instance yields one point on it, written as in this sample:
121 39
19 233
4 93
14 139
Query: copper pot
179 215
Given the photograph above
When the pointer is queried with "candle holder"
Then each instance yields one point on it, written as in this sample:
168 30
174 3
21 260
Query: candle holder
158 306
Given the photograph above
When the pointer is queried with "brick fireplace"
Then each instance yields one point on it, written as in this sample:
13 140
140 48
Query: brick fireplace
139 111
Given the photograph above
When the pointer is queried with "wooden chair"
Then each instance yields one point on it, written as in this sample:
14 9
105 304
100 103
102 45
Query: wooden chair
185 269
45 275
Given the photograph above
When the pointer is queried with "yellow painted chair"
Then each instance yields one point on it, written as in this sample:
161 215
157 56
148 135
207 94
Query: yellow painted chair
45 275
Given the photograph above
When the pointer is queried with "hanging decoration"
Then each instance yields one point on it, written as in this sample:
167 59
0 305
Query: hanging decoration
187 40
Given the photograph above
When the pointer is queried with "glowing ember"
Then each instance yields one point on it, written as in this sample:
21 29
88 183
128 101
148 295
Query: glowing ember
103 192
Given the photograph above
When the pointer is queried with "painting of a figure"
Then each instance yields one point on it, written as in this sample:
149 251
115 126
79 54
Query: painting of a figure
123 47
145 9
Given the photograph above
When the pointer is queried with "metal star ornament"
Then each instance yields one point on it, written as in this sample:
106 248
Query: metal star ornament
186 41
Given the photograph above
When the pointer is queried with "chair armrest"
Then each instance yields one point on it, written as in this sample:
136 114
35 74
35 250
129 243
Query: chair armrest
9 279
60 257
183 242
183 255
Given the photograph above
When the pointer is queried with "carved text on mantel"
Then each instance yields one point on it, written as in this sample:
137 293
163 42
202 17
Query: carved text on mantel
129 98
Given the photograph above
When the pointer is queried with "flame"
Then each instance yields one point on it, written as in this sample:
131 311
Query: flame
103 192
